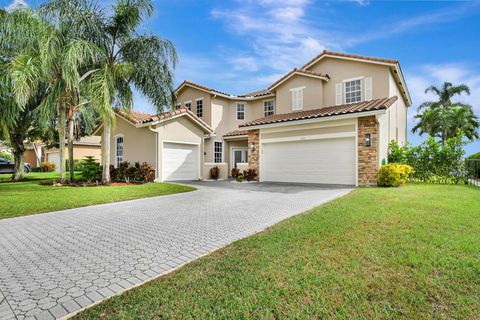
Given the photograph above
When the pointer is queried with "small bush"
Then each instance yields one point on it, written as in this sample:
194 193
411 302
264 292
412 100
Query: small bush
250 174
394 174
235 172
6 156
215 173
47 167
136 173
90 169
77 165
239 177
36 169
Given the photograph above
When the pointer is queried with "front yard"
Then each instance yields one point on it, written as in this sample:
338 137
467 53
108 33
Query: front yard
410 253
30 197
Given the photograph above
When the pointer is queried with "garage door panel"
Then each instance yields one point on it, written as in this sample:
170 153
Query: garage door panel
180 162
329 161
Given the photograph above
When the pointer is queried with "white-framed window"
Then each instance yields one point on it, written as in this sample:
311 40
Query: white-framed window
268 108
118 150
199 108
218 151
297 98
353 90
188 105
240 111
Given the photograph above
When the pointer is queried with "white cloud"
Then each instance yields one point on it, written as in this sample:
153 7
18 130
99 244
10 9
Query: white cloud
361 2
15 4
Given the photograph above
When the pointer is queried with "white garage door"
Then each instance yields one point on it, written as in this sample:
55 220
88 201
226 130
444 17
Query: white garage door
54 157
329 161
180 162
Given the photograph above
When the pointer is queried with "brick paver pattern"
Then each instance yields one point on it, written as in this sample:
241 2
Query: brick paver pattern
56 263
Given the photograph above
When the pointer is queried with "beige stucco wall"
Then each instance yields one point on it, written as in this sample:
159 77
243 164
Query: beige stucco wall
80 152
397 115
192 94
181 130
312 94
340 69
138 143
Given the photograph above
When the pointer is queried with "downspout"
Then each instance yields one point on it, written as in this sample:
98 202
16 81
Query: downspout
157 169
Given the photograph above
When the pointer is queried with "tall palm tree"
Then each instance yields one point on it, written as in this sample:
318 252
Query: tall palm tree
443 118
144 61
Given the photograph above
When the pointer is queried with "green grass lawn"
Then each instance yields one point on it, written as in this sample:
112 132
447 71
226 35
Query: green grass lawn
30 196
409 253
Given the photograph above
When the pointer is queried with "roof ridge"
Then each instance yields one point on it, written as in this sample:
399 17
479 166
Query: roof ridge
347 55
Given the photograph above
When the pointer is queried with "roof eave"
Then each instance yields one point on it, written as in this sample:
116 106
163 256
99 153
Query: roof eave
155 122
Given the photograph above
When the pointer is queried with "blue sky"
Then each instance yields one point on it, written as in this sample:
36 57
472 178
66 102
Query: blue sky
243 45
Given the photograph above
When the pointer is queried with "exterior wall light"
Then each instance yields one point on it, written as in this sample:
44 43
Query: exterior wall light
253 146
368 140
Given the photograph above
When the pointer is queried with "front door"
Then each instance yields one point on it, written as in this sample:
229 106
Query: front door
239 155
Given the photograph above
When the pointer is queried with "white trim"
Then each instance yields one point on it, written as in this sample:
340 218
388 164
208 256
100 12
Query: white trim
141 125
345 90
353 79
319 119
297 88
356 153
215 163
239 137
297 101
312 137
189 101
115 137
198 99
200 169
244 110
274 106
223 151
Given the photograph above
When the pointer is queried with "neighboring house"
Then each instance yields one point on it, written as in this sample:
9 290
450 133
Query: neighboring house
329 121
37 152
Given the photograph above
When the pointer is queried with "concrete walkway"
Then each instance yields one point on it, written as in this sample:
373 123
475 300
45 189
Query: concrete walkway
54 264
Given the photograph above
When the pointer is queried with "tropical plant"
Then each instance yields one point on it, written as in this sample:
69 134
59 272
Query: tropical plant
130 58
443 118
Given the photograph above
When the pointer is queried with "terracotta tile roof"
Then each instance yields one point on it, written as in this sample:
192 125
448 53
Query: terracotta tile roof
347 55
197 85
141 118
90 140
358 107
257 93
299 71
236 133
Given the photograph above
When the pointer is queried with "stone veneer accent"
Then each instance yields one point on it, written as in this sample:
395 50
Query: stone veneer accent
254 156
367 156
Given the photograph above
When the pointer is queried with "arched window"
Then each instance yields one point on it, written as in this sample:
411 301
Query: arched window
118 150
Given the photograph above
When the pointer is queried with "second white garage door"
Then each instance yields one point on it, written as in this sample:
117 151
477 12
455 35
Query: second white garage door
327 161
180 162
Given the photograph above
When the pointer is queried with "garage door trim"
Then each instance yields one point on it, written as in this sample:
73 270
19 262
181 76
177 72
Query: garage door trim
186 143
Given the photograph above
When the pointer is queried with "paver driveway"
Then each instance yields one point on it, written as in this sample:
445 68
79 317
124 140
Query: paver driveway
56 263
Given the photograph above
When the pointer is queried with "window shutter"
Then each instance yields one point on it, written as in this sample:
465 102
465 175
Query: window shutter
368 89
300 99
294 99
338 93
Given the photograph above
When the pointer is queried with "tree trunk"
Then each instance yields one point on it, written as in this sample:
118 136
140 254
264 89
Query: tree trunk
70 148
107 128
18 151
61 141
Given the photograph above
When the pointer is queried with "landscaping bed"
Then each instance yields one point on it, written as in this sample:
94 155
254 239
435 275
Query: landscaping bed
379 253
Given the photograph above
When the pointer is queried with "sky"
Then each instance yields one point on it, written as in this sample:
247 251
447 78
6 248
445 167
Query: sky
240 46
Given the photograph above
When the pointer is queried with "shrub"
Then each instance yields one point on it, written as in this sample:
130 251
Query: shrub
235 173
250 174
215 173
77 164
90 169
136 173
239 177
6 156
47 167
394 174
36 169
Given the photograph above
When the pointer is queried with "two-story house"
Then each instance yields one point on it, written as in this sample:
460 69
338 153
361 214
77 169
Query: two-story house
329 121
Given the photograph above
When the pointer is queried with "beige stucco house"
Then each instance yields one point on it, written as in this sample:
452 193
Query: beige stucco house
329 121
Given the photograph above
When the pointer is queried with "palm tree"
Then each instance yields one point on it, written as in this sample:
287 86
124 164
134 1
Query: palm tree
443 118
145 61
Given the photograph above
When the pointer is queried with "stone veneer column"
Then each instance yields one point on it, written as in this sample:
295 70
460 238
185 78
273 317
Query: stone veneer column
254 155
367 156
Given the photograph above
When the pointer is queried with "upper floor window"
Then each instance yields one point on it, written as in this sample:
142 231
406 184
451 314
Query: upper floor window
240 111
297 98
268 108
177 106
188 105
353 91
118 150
200 108
218 151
